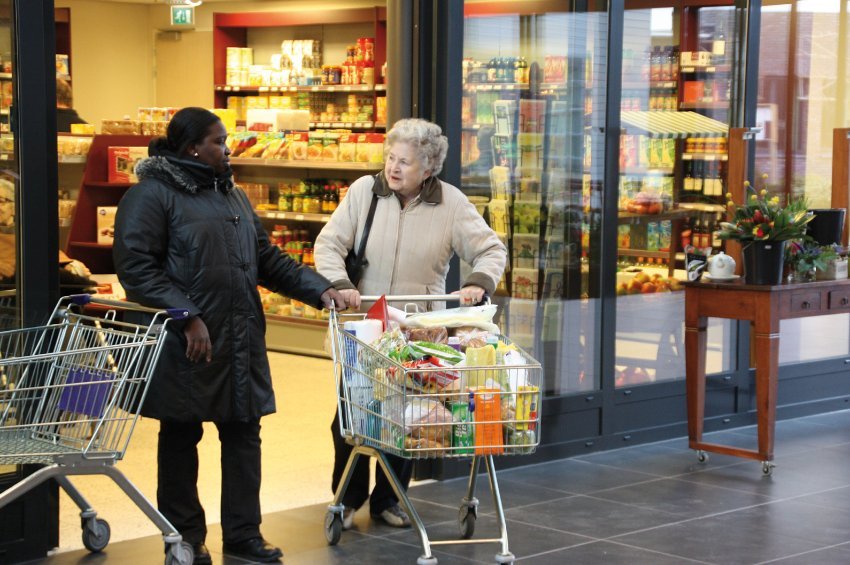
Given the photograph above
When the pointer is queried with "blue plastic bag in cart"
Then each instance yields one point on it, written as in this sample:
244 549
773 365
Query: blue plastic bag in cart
86 392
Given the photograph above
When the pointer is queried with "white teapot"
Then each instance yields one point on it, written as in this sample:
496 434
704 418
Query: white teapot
721 266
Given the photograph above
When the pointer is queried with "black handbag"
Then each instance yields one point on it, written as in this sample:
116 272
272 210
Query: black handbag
355 263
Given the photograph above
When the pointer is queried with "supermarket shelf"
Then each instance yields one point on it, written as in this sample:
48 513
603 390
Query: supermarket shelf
295 216
673 124
91 245
628 252
343 125
380 88
702 207
705 157
290 164
299 88
103 184
300 336
7 76
72 159
498 86
705 69
713 105
647 171
631 217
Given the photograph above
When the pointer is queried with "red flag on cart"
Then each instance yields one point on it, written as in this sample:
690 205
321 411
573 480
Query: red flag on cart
378 311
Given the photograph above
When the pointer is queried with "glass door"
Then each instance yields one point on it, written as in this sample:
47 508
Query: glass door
533 112
675 111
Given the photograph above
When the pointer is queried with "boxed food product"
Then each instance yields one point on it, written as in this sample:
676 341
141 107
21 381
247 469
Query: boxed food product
330 147
106 224
82 129
315 144
370 148
347 147
695 58
119 127
298 148
121 163
63 67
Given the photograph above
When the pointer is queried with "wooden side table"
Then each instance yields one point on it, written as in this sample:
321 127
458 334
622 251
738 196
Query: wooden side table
764 306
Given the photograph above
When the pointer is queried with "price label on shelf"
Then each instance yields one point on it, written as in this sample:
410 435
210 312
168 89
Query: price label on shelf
710 157
331 89
346 89
299 217
314 89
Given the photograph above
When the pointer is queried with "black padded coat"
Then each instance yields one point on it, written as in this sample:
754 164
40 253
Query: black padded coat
185 238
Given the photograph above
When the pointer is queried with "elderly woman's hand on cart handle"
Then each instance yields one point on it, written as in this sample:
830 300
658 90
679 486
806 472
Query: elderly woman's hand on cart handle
471 295
352 297
332 298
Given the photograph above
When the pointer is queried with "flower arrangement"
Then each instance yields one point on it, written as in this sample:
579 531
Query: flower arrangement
762 217
804 257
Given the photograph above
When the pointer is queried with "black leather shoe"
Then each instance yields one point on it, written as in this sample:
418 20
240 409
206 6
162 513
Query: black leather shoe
202 554
254 549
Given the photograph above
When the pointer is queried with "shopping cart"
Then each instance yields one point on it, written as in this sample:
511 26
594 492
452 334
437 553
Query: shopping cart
70 401
423 412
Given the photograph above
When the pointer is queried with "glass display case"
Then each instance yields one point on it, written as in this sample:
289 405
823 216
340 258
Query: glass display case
533 112
675 108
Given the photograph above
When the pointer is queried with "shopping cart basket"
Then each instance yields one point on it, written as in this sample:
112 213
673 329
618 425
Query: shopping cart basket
70 402
423 412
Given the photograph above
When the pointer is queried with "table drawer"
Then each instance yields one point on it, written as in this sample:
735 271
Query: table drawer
805 301
839 299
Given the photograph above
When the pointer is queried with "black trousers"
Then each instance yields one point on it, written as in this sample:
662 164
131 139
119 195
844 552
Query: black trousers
177 489
382 496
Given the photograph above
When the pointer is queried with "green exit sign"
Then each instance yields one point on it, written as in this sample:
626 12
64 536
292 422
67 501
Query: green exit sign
182 15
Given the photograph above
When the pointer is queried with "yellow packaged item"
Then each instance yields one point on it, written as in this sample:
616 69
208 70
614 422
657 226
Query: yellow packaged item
480 357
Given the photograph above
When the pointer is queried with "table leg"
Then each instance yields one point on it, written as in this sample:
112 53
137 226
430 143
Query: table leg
767 371
695 342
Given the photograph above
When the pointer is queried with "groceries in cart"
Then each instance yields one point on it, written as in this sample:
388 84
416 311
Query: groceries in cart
441 383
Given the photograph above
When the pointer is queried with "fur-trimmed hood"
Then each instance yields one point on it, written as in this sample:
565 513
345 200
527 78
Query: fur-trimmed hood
190 176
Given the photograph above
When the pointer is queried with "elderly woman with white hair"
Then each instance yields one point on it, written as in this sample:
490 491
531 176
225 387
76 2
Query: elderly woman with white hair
419 223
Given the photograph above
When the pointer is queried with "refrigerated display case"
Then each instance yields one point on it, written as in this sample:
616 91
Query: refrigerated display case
675 110
533 114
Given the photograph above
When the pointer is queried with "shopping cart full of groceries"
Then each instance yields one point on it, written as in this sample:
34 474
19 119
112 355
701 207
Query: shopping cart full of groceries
69 400
432 384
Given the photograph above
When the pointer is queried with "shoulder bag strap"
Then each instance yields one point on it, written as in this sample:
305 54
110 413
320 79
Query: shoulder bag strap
366 228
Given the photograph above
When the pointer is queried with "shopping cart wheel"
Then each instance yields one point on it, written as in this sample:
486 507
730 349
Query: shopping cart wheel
466 517
96 534
767 467
333 527
180 554
422 560
505 557
702 456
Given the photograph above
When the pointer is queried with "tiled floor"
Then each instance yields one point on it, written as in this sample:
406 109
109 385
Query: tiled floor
651 504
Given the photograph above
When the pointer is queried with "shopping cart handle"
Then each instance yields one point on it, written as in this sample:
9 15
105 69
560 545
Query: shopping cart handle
423 298
84 299
413 297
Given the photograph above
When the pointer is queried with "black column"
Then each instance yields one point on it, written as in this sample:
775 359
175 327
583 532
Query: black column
34 72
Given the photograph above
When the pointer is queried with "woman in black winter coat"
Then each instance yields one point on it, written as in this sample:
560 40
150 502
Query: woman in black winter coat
187 237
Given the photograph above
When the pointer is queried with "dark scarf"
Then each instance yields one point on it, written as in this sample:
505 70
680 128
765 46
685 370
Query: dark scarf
188 174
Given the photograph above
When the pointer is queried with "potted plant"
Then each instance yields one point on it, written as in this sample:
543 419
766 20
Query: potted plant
805 259
763 225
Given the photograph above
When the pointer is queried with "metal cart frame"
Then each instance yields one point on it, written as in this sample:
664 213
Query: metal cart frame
70 398
364 375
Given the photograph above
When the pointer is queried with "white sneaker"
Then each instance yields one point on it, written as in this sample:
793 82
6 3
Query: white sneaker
395 516
348 517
